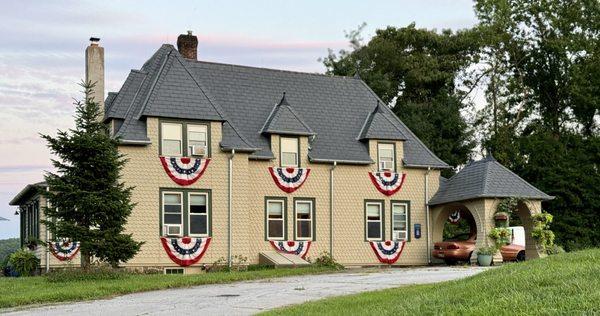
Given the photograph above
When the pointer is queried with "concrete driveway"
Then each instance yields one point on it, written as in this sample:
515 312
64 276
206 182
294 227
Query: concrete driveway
247 298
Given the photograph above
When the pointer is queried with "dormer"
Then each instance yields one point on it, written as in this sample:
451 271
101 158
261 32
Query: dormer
385 140
288 135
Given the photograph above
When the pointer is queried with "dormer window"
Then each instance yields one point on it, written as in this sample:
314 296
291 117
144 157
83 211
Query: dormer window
289 152
385 156
184 139
196 138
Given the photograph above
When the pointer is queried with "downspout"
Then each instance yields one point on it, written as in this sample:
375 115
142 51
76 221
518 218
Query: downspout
427 215
47 237
331 208
229 207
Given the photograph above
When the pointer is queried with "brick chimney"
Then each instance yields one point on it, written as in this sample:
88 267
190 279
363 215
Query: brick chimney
94 69
187 45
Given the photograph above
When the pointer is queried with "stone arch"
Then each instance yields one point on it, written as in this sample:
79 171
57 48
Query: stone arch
525 209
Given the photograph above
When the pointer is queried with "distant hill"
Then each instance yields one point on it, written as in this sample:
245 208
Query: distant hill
8 246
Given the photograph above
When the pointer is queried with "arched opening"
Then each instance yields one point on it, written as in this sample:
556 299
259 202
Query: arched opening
522 217
454 234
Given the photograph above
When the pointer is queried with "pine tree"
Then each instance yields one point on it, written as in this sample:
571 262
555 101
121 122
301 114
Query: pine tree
88 203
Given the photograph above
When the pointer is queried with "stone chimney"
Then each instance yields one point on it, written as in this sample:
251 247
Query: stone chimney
187 45
94 69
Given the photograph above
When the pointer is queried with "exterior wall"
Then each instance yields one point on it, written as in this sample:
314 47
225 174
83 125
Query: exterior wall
252 183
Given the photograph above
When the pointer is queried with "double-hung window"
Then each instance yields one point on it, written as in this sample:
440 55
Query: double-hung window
172 213
304 219
184 139
197 138
385 154
289 152
400 223
275 217
374 220
172 139
185 213
198 214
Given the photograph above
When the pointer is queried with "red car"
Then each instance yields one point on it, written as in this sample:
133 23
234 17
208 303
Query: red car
461 247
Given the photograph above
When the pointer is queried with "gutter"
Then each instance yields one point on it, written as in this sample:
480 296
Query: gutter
427 215
331 208
335 161
134 142
229 207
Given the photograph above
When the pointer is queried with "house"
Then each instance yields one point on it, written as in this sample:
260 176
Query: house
235 160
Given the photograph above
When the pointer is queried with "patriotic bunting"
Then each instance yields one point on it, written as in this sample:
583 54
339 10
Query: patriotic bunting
387 182
184 170
64 249
185 251
388 251
299 248
289 179
454 217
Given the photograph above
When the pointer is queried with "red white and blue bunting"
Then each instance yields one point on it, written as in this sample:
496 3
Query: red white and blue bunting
185 251
454 218
388 251
387 182
64 249
184 170
299 248
289 179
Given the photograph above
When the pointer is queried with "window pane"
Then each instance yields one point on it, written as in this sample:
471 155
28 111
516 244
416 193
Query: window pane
197 200
171 131
275 229
172 198
172 219
198 209
373 230
289 159
198 225
373 211
172 208
303 229
171 147
303 208
289 144
275 209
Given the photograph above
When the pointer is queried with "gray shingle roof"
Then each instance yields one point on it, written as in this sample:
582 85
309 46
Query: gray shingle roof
109 101
27 192
334 108
379 126
485 178
284 120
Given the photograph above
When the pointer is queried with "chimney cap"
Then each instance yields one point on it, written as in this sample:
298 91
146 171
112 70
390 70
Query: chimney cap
189 32
94 39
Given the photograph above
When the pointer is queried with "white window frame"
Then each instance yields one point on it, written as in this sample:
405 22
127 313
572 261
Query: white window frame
406 220
381 146
162 138
296 152
187 131
163 212
296 219
367 221
189 214
283 219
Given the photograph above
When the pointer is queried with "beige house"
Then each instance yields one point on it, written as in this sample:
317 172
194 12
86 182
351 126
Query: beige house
232 160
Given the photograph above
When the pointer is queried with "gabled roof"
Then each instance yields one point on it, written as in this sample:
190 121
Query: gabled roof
331 107
379 126
284 120
485 178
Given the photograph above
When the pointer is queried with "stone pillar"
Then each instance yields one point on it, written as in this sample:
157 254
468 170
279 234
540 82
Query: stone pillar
94 70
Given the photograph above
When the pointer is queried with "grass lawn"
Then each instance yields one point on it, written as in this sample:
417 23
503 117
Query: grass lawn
34 290
562 284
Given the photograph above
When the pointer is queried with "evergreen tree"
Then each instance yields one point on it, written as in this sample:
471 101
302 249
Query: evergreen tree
415 71
88 203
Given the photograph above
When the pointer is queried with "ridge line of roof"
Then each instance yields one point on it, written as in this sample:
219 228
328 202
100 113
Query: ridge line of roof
130 107
273 69
269 118
399 121
300 119
145 103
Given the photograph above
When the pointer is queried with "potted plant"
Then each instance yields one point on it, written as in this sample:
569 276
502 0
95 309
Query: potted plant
485 256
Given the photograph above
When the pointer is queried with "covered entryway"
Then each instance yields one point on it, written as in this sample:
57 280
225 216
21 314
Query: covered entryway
475 191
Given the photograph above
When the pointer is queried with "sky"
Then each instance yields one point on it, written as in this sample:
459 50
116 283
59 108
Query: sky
42 47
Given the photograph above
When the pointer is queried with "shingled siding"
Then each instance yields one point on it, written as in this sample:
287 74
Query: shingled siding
252 183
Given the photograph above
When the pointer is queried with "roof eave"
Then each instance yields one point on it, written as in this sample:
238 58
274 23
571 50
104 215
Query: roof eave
15 200
341 161
289 133
134 142
489 196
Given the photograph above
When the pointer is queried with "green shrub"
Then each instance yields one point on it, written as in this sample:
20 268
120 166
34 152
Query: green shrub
500 236
326 260
541 230
24 262
487 251
92 274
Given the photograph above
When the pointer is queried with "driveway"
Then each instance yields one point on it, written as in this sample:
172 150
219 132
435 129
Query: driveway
247 298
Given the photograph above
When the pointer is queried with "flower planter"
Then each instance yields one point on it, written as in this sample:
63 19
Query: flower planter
484 260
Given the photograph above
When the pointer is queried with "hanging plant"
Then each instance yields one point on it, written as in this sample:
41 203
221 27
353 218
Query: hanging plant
500 236
504 211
